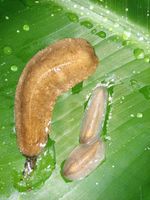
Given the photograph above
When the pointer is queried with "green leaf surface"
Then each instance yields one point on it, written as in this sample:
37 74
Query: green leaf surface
123 48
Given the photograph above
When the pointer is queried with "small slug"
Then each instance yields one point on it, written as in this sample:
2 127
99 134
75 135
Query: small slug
94 115
50 72
83 160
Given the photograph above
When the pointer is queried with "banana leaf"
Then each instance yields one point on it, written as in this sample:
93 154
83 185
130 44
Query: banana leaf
119 33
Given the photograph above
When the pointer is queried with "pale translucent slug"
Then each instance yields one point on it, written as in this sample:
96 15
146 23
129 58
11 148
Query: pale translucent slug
94 115
90 153
50 72
83 160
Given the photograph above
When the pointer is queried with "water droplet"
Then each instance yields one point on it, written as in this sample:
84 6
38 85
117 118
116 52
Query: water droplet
87 24
107 137
101 34
93 31
14 68
6 17
126 9
3 63
132 115
6 79
126 35
113 166
75 6
52 15
134 72
96 183
138 53
147 148
147 59
18 31
26 27
73 17
36 1
139 115
7 50
145 91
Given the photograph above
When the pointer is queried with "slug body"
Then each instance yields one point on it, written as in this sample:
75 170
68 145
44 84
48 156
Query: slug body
83 160
94 115
50 72
91 150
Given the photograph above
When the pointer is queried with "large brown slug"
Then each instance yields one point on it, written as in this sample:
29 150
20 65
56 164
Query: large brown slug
50 72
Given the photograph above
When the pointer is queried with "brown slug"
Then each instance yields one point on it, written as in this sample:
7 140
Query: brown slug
48 74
